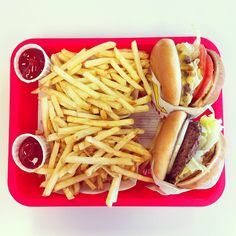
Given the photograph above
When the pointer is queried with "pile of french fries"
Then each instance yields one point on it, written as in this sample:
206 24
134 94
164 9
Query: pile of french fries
86 102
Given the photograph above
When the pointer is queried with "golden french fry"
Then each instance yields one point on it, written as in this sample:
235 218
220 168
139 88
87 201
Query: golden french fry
100 123
71 129
99 160
60 122
53 156
115 85
63 57
100 136
69 193
118 79
45 115
72 180
131 174
89 53
102 86
56 106
139 68
103 115
68 53
125 76
75 82
85 132
143 100
100 104
113 191
55 60
76 188
126 65
96 62
52 115
90 184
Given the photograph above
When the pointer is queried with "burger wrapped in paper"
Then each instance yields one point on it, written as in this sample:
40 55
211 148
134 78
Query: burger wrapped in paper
189 76
187 154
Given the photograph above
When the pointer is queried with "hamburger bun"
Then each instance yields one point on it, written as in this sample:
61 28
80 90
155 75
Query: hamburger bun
166 68
165 142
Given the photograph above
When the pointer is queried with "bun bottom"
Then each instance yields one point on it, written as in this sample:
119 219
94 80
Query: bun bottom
212 169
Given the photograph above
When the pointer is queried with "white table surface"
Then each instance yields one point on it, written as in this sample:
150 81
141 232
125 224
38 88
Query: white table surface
25 19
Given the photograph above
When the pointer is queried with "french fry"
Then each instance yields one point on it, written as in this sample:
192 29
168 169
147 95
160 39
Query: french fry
55 60
139 68
69 193
118 78
44 170
103 114
74 96
63 57
115 85
99 104
90 184
100 123
63 67
56 106
96 62
115 105
53 156
131 174
68 53
75 70
100 136
143 100
59 121
52 115
76 187
55 175
113 191
99 160
126 65
126 105
75 82
125 76
102 86
85 132
71 130
71 181
45 115
89 53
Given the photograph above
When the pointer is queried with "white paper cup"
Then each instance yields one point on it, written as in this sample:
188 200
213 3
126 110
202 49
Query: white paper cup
47 64
15 150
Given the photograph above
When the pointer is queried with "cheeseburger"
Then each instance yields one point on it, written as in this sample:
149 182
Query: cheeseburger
189 74
188 153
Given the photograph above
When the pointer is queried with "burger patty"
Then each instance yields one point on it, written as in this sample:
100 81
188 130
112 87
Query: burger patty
187 150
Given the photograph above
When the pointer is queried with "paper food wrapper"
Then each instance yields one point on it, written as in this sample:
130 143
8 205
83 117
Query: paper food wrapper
165 188
165 108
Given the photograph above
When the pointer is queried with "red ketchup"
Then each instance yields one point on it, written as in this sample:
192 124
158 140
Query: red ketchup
30 153
31 63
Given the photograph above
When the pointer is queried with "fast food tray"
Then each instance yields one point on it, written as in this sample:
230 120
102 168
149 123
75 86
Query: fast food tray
24 187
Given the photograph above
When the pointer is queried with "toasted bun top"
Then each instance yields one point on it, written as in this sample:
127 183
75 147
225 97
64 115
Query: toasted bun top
217 82
212 168
165 142
166 67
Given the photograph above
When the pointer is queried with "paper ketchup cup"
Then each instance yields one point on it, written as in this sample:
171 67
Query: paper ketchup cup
29 152
31 63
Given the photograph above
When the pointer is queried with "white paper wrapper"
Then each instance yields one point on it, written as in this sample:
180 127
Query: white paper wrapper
165 188
45 70
165 107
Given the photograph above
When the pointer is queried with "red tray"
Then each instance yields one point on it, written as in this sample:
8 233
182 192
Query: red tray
24 187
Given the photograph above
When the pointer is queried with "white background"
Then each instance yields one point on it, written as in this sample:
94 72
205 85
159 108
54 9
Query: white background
25 19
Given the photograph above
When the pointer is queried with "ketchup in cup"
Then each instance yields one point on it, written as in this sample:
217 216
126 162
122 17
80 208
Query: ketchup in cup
29 152
31 63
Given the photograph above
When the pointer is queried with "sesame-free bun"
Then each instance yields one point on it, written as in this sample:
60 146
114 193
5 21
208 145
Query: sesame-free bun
166 68
165 142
